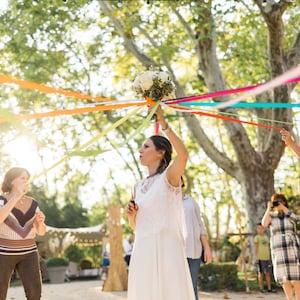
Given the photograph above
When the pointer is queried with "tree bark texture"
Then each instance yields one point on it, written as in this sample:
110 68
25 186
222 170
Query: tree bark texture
253 165
117 271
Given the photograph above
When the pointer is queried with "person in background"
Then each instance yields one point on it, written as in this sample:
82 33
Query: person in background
158 267
20 221
127 247
105 260
287 138
43 267
263 258
285 244
196 243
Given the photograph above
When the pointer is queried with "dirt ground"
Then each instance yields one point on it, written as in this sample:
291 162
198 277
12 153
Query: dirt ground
92 290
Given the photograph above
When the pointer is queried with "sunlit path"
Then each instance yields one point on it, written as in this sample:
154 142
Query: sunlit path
92 290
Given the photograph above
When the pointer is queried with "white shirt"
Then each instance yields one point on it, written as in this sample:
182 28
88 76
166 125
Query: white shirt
127 247
195 227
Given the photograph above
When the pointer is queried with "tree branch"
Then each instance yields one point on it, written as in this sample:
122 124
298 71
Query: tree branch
209 66
293 55
129 43
185 25
211 151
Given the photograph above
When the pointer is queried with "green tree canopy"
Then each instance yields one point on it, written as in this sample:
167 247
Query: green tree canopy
99 47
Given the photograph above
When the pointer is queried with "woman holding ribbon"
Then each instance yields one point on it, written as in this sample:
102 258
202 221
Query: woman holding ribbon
158 267
287 138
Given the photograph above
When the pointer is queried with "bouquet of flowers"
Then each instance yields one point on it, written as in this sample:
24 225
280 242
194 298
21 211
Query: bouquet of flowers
156 85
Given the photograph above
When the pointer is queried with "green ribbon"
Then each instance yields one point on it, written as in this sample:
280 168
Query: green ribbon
90 142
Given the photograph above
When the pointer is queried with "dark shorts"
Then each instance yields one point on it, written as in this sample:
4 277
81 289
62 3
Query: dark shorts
264 266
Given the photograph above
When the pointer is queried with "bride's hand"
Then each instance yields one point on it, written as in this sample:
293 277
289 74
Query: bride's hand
131 208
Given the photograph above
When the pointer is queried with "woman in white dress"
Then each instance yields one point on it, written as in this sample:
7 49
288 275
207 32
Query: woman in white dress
158 268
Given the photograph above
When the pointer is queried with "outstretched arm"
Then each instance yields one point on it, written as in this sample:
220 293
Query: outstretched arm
287 138
177 167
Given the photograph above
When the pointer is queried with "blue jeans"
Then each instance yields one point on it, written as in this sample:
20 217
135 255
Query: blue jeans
194 266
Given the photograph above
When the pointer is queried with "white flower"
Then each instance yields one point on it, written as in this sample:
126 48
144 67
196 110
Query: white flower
169 96
154 84
143 82
147 80
164 76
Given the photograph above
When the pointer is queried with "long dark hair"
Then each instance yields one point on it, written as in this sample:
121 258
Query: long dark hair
162 143
10 176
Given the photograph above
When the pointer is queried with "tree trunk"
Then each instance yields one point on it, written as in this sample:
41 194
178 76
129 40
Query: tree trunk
257 190
117 272
256 159
254 166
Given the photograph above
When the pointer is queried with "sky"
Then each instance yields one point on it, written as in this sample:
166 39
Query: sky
3 5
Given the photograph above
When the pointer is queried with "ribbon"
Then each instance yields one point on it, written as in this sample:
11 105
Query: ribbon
108 104
73 111
245 104
279 80
227 118
87 144
30 85
144 123
225 92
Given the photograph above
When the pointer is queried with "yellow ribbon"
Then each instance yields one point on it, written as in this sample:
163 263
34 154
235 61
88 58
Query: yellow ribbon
87 144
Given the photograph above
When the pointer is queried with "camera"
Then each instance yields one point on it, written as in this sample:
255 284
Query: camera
275 203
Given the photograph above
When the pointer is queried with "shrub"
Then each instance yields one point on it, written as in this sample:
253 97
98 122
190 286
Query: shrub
218 276
74 253
57 261
86 264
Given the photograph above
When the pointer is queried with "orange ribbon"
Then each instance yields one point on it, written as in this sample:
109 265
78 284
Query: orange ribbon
227 118
30 85
73 111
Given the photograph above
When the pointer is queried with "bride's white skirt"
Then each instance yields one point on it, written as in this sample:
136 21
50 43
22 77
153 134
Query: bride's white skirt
159 270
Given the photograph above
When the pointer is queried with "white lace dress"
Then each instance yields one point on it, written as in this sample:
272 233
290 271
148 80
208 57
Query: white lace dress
158 267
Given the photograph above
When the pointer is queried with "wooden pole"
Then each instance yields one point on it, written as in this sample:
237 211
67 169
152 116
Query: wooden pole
117 271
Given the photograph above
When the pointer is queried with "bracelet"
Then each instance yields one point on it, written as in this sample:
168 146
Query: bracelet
164 129
167 129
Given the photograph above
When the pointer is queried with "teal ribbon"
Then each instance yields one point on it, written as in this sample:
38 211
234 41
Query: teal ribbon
244 104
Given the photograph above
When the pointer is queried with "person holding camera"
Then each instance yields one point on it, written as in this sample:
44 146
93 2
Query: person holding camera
285 244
